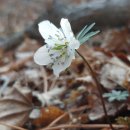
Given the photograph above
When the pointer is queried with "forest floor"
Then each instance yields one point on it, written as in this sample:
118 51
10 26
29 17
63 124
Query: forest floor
32 98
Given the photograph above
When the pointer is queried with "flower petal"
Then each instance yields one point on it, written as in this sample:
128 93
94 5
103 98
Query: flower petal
74 44
47 29
66 28
65 25
52 42
77 44
59 67
42 57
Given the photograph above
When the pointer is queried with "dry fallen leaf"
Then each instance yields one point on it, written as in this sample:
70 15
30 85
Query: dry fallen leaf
15 65
15 108
50 97
123 120
97 112
117 40
48 115
115 73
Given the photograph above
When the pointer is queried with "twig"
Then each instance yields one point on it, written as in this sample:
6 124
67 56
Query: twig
57 119
65 114
12 126
98 87
87 126
45 89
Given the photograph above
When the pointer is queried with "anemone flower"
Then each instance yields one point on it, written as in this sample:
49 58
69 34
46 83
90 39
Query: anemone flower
59 50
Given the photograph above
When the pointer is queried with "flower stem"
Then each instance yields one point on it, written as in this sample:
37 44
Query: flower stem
98 87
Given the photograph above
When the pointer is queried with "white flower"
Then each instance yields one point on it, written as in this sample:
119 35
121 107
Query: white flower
60 48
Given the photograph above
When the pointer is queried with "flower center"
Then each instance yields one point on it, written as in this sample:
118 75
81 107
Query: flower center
59 47
58 52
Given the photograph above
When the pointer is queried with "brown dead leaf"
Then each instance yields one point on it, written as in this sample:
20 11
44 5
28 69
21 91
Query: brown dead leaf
97 112
15 107
117 40
15 65
48 115
124 58
115 73
77 66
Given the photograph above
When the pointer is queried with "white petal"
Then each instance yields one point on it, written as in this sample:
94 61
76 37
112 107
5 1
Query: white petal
52 42
57 68
77 44
48 29
65 25
42 57
74 44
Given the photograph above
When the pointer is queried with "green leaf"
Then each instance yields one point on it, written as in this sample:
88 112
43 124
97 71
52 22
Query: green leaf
85 30
89 35
80 33
116 95
83 35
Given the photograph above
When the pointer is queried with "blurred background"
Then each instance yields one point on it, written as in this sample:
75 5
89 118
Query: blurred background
20 17
108 54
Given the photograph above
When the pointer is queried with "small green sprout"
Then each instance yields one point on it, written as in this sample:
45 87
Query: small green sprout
83 35
116 95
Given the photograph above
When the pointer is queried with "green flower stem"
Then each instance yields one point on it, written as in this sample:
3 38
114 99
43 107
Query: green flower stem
98 87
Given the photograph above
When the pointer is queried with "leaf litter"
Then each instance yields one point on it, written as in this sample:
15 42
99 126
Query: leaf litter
32 98
74 89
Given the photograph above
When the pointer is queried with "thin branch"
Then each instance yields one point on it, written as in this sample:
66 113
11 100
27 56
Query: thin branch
12 126
87 126
44 75
98 87
66 114
57 120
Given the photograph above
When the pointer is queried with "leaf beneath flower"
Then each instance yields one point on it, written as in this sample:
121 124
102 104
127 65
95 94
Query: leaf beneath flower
15 108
